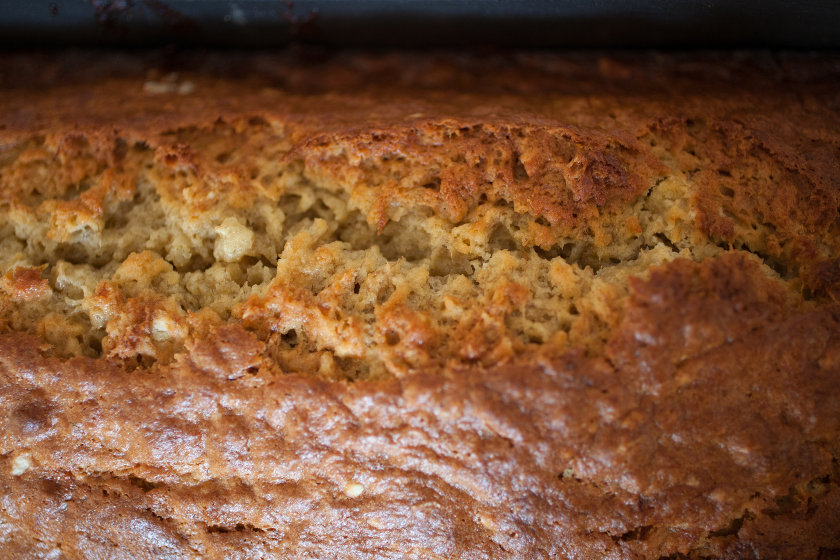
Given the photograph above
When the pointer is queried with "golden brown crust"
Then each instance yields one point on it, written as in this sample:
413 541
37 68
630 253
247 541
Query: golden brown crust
633 350
23 284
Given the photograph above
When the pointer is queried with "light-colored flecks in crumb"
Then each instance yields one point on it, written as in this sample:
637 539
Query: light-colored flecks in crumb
21 464
233 242
354 490
169 84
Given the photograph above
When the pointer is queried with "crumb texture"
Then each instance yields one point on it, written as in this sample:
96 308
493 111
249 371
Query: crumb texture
346 319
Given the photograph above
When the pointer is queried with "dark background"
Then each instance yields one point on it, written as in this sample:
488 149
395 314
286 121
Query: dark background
804 24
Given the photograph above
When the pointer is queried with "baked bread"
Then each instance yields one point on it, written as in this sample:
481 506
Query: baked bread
419 306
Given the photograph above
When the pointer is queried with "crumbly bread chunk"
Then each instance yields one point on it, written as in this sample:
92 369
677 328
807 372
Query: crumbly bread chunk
474 317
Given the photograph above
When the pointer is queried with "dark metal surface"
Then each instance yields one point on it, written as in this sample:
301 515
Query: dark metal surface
423 23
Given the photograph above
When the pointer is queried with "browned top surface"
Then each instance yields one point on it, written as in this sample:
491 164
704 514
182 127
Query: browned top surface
707 427
470 121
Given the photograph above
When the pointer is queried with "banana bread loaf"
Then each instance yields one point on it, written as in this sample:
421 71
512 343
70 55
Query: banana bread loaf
440 305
